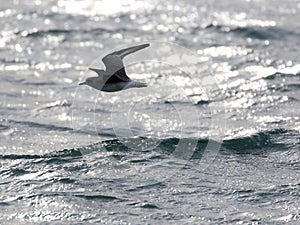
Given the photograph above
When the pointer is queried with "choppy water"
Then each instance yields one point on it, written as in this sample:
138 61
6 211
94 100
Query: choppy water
213 139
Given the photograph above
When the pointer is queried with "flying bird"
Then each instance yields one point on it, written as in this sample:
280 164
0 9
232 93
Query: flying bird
114 78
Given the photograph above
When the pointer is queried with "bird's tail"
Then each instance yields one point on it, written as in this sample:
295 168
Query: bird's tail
96 70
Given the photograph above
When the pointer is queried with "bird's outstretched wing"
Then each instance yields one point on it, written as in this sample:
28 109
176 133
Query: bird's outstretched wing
113 61
119 76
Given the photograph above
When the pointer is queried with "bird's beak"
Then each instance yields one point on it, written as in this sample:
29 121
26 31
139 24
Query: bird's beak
83 83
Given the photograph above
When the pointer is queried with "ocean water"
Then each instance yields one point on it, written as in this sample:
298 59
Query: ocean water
213 139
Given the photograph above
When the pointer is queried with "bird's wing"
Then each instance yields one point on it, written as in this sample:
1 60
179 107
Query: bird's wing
113 61
119 76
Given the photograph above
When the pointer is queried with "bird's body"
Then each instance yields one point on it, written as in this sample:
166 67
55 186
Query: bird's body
114 78
100 84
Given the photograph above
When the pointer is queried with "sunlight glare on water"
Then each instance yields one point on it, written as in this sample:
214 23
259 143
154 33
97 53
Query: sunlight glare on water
104 7
213 139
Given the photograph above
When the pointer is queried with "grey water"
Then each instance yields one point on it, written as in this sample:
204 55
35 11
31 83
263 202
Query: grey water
213 139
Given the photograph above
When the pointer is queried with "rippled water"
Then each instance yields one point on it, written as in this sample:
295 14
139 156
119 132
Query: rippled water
214 138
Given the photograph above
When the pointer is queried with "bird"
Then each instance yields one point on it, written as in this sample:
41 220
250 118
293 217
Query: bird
114 77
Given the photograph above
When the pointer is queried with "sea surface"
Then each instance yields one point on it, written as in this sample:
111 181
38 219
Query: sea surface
213 139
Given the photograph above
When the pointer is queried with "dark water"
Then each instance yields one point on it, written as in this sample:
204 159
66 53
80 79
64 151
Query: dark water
213 139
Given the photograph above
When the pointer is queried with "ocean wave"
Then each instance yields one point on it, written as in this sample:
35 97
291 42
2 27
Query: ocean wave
281 75
256 143
50 127
265 140
255 32
40 125
67 153
3 127
55 32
